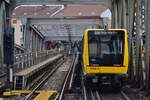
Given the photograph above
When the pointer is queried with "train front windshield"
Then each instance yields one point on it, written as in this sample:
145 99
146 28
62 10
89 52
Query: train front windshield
106 48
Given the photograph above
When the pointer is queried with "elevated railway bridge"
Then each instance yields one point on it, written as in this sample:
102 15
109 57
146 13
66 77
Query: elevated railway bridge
48 64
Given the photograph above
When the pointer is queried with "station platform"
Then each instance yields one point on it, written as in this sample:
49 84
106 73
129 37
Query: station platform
21 78
31 70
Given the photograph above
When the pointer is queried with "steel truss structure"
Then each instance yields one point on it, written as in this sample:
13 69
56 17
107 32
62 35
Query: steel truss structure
131 14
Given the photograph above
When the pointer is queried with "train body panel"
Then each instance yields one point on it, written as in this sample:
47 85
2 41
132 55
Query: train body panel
104 70
105 53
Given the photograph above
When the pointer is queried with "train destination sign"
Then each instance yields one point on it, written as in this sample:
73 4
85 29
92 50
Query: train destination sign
105 32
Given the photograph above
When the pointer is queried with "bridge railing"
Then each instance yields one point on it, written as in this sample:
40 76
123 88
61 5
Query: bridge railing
25 60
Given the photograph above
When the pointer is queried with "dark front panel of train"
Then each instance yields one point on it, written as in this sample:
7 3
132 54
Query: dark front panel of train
106 48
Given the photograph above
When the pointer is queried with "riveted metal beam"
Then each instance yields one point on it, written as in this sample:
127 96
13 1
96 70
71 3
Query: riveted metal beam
68 26
1 31
148 45
124 13
56 2
63 38
116 14
65 20
119 14
131 11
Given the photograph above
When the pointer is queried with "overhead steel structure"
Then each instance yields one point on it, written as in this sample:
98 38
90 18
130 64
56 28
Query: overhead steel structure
63 28
51 2
131 14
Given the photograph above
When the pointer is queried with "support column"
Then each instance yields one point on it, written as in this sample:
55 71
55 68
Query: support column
148 45
141 62
34 43
40 44
122 10
37 42
124 14
69 35
113 15
131 11
31 40
119 9
116 15
26 35
25 38
4 29
6 46
138 46
1 32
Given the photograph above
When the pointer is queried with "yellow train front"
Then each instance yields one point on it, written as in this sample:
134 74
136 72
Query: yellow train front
105 56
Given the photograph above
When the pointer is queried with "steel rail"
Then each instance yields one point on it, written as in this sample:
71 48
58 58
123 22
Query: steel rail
73 71
84 92
34 84
60 97
95 95
98 95
43 81
92 95
89 94
124 95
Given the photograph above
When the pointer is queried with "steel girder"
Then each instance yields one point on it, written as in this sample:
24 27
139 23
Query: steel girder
123 16
4 24
5 30
148 44
62 27
137 37
119 13
63 38
50 2
137 68
33 38
131 10
135 48
63 20
2 6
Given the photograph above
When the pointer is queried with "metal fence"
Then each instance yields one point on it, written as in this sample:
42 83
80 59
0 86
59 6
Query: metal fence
25 60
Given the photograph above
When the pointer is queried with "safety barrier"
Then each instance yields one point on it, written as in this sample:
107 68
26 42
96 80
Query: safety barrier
25 60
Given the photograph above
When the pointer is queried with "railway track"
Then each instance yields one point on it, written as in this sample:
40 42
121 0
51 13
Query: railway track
97 94
67 84
39 83
43 82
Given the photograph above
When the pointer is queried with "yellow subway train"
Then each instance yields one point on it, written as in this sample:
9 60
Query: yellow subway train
105 56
